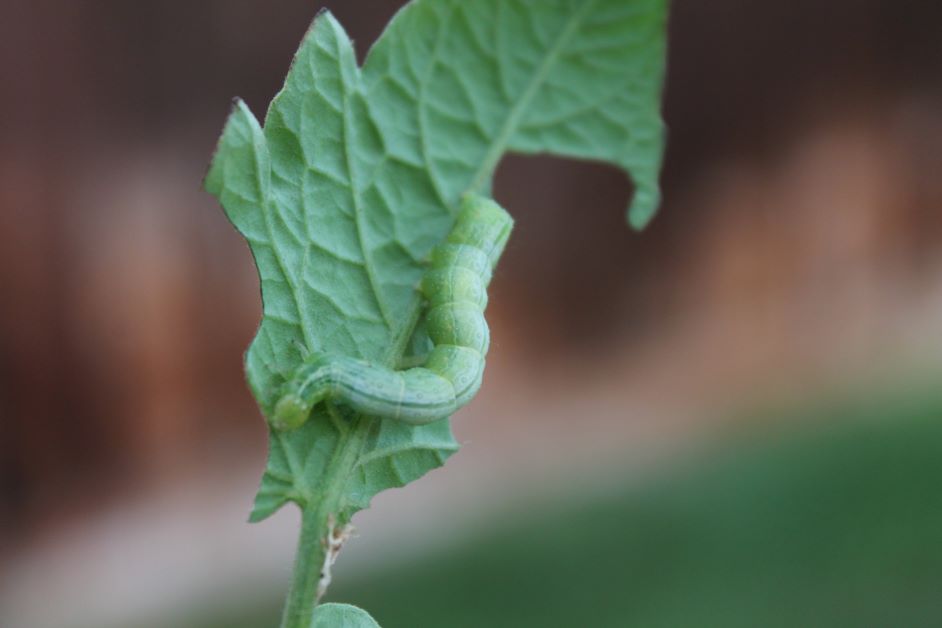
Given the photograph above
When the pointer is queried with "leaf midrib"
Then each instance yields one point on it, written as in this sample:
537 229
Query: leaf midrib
423 112
493 154
498 144
512 122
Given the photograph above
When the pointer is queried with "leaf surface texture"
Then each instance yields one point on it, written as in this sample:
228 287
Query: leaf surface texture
357 172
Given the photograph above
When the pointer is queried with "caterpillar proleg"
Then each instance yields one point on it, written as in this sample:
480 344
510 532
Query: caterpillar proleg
455 287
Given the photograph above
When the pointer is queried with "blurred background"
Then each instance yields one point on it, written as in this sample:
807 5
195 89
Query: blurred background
733 418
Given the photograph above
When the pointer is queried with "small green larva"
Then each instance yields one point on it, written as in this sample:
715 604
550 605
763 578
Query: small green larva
455 287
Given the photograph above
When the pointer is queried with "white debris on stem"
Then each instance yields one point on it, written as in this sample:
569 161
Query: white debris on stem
332 543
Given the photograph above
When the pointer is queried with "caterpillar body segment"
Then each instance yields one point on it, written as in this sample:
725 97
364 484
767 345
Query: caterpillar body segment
455 288
416 395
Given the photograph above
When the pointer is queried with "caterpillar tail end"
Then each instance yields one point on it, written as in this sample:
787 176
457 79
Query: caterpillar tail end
484 224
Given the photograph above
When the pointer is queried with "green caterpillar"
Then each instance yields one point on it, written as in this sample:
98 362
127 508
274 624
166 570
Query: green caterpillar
455 287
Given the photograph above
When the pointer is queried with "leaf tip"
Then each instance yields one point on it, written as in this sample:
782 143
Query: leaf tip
644 206
240 132
325 19
264 507
212 180
259 514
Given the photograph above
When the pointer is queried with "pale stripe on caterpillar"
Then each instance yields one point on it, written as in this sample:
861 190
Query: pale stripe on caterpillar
455 287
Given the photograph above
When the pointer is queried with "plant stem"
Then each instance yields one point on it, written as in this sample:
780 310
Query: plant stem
308 563
319 513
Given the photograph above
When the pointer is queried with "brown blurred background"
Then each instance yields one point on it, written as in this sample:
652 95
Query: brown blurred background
800 243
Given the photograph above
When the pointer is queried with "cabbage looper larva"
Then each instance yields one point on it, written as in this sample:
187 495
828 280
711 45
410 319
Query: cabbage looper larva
455 287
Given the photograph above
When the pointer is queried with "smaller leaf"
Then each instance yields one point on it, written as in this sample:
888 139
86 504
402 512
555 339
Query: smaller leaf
342 616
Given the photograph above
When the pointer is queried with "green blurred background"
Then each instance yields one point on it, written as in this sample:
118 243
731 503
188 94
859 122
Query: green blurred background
832 526
730 419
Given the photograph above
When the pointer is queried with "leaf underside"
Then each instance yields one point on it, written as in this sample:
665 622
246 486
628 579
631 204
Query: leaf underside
358 171
342 616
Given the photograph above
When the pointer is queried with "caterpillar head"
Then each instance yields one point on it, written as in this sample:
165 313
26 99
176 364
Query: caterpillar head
291 412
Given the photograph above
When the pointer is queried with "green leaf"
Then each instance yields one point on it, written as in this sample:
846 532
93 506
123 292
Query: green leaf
342 616
357 173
